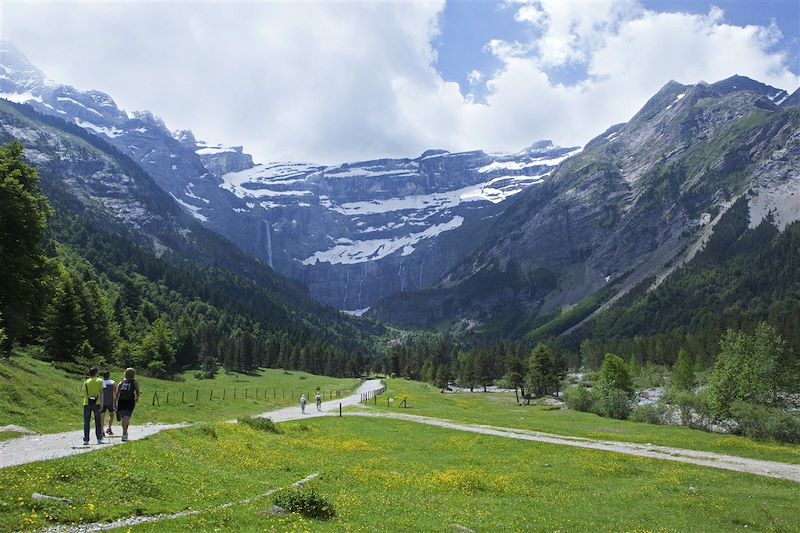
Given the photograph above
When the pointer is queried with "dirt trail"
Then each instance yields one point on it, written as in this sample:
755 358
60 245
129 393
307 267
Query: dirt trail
735 463
54 445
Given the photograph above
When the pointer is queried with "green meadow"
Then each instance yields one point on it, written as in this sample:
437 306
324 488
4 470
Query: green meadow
501 409
390 475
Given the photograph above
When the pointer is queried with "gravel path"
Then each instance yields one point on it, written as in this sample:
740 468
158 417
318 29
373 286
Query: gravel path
54 445
758 467
328 408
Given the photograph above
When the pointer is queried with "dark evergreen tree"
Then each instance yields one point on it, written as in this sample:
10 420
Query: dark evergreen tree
23 220
64 327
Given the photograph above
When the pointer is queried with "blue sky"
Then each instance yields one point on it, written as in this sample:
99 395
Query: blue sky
329 82
467 25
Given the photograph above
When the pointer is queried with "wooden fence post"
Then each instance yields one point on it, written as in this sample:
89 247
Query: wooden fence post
197 395
183 393
340 409
167 397
155 399
223 393
211 396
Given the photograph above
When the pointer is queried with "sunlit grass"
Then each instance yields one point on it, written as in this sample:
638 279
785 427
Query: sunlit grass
501 409
39 397
391 476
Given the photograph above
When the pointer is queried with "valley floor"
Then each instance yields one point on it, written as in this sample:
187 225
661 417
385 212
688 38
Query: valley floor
405 472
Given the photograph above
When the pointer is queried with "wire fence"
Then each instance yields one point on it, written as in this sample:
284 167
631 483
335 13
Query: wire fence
237 393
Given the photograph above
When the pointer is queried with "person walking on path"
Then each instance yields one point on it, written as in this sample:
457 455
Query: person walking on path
319 402
108 401
125 400
92 404
303 403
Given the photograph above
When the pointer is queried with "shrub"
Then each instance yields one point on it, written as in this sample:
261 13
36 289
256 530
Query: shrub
687 403
306 502
651 376
762 422
261 424
209 431
614 376
651 413
579 399
615 404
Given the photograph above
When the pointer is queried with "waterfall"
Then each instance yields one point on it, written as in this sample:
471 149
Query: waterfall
268 229
346 283
360 284
400 275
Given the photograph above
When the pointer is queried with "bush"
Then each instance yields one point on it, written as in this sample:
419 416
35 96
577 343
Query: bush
615 404
652 413
688 404
261 424
761 422
306 502
651 376
579 399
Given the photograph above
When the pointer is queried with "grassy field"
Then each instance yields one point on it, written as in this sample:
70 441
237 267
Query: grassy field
500 409
391 476
39 397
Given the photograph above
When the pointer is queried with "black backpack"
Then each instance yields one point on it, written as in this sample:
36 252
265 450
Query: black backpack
126 389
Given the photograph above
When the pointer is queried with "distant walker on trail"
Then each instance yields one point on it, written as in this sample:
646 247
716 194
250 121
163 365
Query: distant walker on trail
303 404
319 402
92 404
127 395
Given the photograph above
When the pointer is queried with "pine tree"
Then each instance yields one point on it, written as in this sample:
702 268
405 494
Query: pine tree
65 331
23 220
683 373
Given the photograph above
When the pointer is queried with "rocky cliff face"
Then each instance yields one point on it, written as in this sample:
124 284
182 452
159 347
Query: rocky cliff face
640 199
360 231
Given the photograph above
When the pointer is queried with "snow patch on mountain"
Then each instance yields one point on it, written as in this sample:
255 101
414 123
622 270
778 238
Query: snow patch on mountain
348 251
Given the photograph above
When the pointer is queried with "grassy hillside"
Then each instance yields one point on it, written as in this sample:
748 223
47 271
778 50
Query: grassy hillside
500 409
392 476
39 397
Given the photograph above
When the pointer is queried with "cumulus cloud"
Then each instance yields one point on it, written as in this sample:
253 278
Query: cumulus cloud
331 82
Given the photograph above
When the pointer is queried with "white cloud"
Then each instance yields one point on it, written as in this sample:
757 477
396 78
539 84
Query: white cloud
329 82
474 77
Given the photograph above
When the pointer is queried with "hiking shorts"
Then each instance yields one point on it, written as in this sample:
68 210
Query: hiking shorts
107 408
125 408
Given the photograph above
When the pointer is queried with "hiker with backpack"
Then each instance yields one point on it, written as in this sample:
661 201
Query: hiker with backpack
319 402
92 404
108 401
303 404
125 401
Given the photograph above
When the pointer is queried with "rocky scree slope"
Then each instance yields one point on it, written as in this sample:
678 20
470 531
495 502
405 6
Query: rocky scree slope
640 199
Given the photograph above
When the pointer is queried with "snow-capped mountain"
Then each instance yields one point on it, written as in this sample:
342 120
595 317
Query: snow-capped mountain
359 231
354 232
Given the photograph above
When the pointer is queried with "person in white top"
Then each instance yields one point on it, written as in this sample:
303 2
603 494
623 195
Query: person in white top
108 401
319 402
303 404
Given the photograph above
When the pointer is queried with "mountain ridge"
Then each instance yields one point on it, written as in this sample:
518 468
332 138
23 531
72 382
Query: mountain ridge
635 199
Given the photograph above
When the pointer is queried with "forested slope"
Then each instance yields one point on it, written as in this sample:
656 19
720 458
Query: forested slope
127 276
